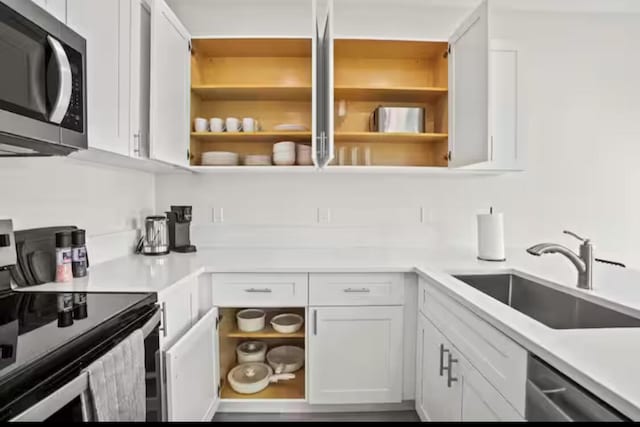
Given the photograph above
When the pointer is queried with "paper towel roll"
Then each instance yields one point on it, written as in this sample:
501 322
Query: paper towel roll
491 237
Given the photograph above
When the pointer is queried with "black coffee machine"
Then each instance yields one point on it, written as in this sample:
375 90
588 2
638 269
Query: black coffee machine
179 235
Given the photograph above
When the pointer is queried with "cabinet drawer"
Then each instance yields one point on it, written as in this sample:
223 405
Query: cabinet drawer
499 359
356 289
260 290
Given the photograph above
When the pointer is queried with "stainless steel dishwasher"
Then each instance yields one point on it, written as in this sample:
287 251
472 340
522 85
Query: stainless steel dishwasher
551 396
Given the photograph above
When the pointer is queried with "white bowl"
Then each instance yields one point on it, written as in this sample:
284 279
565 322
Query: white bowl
287 323
257 160
250 320
286 146
303 148
284 160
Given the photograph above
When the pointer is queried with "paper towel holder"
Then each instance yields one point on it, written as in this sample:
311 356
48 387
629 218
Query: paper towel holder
501 258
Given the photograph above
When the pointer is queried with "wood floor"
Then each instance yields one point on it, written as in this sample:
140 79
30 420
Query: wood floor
397 416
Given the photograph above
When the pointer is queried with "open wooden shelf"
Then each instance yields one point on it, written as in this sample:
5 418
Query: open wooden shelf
377 137
288 389
267 332
240 137
252 92
389 94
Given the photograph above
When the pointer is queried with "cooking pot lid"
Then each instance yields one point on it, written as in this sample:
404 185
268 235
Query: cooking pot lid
250 373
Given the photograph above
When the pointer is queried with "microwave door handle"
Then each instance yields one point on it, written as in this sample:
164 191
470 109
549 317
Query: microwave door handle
63 98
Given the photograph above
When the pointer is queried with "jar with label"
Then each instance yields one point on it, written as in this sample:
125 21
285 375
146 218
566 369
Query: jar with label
79 262
63 257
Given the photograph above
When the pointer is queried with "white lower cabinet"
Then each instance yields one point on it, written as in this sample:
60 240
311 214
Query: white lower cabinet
449 388
179 311
355 354
191 366
436 399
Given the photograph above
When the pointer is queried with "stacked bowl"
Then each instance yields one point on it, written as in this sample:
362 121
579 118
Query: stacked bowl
303 155
284 153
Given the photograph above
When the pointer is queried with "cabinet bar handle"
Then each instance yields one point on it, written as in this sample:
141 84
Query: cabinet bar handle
163 324
442 352
261 291
315 322
450 378
357 290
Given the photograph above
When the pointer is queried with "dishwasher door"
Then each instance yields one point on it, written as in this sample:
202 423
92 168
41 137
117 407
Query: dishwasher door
553 397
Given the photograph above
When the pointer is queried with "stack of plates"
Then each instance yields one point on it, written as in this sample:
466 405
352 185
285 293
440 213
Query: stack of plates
289 127
257 160
219 158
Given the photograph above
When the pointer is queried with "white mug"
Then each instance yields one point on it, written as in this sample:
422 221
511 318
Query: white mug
250 124
200 124
216 124
233 125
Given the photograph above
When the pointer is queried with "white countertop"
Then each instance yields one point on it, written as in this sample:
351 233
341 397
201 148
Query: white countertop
602 360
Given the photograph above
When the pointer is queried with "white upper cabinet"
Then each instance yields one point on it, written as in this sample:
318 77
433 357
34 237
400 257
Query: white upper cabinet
105 25
322 100
140 77
57 8
170 82
245 18
469 86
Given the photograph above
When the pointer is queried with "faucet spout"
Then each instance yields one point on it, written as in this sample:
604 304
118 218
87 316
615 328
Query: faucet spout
554 248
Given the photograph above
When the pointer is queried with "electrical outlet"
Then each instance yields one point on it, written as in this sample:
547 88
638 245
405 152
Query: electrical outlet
217 215
324 215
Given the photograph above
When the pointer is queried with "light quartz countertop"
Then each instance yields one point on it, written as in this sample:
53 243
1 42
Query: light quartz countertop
605 361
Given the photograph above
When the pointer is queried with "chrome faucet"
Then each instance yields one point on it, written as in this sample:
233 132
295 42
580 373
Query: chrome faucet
583 262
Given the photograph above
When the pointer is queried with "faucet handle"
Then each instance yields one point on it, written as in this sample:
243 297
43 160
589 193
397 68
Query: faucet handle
572 234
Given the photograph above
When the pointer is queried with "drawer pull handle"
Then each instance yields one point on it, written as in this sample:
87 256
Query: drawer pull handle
357 291
163 322
258 291
442 352
450 378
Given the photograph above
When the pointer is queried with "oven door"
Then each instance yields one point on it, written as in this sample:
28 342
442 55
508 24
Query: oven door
42 107
67 403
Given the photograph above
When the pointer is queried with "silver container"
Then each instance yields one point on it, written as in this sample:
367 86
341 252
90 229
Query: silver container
156 236
397 119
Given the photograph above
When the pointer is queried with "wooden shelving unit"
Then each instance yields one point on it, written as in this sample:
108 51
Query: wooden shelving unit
371 73
268 79
390 94
240 137
389 138
249 92
289 389
267 333
230 337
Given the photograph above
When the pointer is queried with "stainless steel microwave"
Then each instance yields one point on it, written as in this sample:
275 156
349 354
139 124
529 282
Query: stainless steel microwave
43 107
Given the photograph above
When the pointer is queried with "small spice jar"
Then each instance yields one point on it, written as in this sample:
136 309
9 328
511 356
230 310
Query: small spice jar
63 257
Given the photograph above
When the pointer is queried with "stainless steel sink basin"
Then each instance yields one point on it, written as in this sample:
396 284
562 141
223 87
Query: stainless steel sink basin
554 308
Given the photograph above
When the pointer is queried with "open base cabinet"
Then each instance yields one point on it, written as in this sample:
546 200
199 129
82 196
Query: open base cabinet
230 337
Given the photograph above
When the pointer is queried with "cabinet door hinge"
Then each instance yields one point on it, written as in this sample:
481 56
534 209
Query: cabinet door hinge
449 156
447 52
188 155
219 389
190 46
218 321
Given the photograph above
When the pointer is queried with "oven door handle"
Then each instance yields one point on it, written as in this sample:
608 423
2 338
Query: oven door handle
63 97
151 324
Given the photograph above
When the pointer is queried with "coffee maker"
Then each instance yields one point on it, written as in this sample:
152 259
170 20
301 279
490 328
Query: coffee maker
179 234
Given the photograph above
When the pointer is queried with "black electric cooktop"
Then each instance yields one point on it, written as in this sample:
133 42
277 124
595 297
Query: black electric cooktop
42 347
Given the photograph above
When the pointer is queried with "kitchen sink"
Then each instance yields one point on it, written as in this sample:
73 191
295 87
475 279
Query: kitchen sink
556 309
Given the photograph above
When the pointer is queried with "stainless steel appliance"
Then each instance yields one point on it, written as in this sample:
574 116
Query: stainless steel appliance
42 359
42 84
179 229
552 396
155 240
397 119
